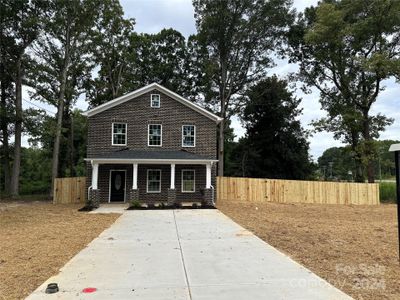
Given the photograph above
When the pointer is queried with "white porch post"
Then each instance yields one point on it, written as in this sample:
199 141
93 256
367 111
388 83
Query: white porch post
134 176
95 174
172 187
208 176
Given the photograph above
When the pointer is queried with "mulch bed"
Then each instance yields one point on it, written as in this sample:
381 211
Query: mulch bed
37 239
160 207
354 248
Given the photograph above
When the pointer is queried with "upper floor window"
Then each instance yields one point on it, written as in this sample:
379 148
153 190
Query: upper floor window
188 136
119 134
155 100
155 135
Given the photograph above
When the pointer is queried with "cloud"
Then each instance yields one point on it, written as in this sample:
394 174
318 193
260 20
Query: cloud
151 15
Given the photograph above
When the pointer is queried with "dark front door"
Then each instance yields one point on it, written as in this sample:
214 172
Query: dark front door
117 186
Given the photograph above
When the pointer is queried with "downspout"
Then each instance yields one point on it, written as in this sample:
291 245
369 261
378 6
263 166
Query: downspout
213 200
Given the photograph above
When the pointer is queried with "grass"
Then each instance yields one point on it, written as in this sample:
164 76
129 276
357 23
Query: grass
387 192
355 248
38 238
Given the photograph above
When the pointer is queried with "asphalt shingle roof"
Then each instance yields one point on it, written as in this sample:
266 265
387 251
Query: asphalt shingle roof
151 154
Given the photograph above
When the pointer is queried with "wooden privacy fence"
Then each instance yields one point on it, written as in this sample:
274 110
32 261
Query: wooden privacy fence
69 190
234 189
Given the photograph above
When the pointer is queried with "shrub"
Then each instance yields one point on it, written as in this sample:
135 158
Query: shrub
135 204
387 192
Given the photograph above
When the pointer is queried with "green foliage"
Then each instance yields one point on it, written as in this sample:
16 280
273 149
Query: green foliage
346 49
387 192
35 171
135 204
275 145
336 162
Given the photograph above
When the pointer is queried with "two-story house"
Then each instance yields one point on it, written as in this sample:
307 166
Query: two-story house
151 145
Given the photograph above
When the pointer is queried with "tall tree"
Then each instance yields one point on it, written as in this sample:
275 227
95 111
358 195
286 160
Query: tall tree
238 37
64 46
110 45
6 115
346 49
161 58
275 144
21 25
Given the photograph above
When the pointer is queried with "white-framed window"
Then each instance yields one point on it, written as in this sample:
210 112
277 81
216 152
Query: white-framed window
188 136
119 134
188 181
155 100
155 135
153 181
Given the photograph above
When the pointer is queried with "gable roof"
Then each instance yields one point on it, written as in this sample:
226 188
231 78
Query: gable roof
146 89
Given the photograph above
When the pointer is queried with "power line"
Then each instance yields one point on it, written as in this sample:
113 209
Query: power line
39 106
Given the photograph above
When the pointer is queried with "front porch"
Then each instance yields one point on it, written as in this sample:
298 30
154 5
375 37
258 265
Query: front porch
150 181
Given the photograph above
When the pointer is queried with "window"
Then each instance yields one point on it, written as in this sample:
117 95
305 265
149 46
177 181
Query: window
119 134
188 181
188 135
153 181
155 100
155 135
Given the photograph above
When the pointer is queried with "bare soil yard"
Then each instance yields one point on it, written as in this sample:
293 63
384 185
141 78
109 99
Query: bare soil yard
37 239
352 247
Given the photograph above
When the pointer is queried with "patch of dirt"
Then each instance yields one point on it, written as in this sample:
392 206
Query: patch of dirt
354 248
37 239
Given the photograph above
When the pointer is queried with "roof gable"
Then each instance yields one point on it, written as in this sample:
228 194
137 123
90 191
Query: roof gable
146 89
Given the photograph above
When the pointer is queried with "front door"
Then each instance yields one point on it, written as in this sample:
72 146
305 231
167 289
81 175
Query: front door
117 186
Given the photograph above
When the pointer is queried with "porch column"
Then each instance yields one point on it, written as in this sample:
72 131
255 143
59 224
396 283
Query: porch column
171 199
134 176
134 191
93 199
208 176
95 174
172 177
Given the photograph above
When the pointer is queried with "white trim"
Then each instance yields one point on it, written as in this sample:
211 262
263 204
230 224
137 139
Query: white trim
172 183
152 161
194 142
95 175
208 175
147 181
148 135
112 134
134 176
146 89
109 185
194 180
151 100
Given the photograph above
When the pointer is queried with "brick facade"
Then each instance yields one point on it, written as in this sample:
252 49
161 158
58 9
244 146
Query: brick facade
137 113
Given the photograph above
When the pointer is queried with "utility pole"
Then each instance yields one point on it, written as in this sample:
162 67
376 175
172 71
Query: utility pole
396 149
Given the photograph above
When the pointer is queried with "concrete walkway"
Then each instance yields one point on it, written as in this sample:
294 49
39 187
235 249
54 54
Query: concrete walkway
184 254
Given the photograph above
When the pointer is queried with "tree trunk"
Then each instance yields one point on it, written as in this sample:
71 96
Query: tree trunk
368 148
14 190
60 112
4 129
71 146
221 141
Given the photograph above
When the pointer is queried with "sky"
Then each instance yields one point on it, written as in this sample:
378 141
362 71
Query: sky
153 15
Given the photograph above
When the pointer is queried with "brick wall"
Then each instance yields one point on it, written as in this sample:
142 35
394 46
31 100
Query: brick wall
137 113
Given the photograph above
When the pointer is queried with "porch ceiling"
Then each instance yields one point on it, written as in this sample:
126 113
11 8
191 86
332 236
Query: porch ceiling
151 156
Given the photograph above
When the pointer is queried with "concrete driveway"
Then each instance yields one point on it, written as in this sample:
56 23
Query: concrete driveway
183 254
